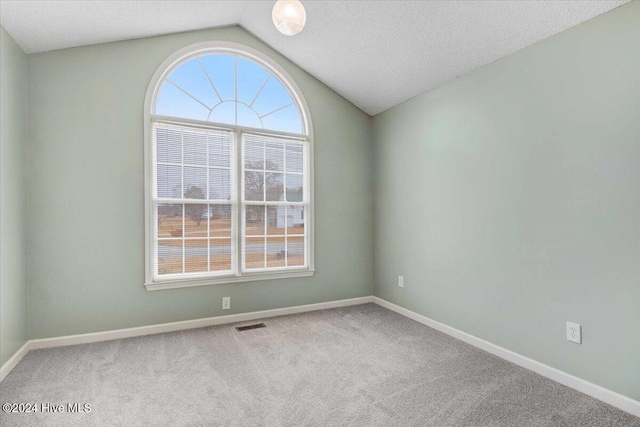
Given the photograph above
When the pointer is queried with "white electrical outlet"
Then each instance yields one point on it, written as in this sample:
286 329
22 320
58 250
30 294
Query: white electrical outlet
401 281
226 303
574 332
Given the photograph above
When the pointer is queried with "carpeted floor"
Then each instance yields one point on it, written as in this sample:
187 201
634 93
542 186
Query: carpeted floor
354 366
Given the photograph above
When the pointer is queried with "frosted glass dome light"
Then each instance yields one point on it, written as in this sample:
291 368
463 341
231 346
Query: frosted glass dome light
289 16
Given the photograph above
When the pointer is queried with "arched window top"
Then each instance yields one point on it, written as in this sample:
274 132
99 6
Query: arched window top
231 85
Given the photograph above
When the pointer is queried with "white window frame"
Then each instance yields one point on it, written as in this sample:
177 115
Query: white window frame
152 282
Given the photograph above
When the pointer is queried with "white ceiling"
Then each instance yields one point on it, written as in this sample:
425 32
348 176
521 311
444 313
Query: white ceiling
374 53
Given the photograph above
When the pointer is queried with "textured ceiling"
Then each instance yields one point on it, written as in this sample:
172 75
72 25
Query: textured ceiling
374 53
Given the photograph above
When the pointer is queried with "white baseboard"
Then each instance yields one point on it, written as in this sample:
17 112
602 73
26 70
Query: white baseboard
615 399
14 360
611 397
170 327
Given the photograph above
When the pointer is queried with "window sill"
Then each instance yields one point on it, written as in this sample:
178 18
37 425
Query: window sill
227 280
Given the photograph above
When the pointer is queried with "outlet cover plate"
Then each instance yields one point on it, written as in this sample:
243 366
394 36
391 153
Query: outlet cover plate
401 281
574 332
226 303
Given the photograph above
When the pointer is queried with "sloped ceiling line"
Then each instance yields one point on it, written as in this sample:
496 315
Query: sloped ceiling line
374 53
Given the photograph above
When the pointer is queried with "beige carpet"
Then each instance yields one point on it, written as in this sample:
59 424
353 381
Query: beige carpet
355 366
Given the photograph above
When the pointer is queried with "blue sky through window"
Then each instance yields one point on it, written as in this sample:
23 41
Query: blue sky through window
204 88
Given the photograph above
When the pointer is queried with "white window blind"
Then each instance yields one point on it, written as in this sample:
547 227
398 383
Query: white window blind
194 203
273 203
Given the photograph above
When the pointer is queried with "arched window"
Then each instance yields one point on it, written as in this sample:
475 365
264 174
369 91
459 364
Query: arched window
228 170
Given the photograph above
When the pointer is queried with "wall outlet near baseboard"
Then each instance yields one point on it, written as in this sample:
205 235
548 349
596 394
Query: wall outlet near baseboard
574 332
226 303
401 281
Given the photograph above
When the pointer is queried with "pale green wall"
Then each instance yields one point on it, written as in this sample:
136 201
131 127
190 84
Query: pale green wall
510 201
86 234
13 185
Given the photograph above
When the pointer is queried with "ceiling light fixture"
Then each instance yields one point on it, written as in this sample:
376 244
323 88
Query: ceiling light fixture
289 16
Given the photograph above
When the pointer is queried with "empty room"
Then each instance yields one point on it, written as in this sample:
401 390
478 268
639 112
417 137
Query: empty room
319 213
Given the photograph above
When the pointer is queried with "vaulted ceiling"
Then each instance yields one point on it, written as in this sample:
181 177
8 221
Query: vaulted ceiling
374 53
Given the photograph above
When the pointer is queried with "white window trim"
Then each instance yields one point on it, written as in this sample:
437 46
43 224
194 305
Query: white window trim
164 70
